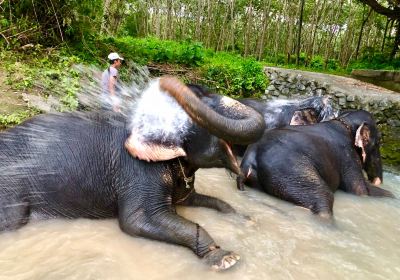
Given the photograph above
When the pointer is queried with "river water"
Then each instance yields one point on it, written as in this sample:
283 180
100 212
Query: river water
280 241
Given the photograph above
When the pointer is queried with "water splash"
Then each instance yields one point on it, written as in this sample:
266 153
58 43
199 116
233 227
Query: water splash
323 106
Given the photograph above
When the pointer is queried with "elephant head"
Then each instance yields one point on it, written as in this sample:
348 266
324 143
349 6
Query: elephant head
201 128
367 142
281 112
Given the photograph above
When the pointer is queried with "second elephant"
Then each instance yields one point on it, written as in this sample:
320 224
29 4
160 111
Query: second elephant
307 164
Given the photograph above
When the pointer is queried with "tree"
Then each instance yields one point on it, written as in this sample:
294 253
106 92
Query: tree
299 32
392 11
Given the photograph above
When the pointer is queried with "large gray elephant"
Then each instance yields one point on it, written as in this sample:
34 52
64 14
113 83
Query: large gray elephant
75 165
306 165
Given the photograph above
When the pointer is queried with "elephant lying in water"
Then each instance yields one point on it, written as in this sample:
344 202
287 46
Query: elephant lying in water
306 164
75 165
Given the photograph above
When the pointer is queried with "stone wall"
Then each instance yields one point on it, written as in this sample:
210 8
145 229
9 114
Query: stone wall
346 93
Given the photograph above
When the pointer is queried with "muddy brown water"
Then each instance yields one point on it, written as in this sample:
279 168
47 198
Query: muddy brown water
281 241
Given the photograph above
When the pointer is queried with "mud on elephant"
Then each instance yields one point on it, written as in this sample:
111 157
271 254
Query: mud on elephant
75 165
306 165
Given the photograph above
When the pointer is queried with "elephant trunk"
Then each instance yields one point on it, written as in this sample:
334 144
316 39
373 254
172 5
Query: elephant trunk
245 130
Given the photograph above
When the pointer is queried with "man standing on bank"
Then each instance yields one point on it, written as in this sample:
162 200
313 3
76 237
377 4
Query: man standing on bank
109 82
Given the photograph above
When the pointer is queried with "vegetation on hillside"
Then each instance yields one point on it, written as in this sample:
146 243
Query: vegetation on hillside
221 44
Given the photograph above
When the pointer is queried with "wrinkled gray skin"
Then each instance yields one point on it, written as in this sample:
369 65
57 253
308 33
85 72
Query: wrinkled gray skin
279 113
307 164
74 165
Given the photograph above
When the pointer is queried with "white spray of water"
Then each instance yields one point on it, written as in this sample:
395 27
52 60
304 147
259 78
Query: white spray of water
157 115
322 105
152 114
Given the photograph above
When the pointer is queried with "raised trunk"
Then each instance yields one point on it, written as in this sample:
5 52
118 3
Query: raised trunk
245 130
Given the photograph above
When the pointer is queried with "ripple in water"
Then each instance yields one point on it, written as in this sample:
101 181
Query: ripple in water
281 241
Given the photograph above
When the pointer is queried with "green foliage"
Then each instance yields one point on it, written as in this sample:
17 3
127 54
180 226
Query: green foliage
145 50
372 60
228 73
45 73
234 75
13 119
332 64
317 62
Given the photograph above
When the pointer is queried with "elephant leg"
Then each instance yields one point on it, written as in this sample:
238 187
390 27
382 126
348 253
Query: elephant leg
247 176
316 197
355 183
14 213
376 191
164 225
303 187
201 200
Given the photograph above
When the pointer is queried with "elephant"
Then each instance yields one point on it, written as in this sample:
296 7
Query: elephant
282 112
305 165
101 164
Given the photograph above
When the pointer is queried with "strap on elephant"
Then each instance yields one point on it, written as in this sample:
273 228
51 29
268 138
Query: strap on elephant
346 125
187 180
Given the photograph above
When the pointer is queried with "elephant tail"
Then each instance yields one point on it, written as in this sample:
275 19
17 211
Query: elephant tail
375 191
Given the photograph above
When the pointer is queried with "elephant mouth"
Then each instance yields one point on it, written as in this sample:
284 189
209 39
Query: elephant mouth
232 163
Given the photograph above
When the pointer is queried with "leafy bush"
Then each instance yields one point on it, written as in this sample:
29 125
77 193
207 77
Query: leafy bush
13 119
371 60
332 64
145 50
47 73
317 62
234 75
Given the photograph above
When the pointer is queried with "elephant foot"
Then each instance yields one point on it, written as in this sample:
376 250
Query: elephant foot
220 259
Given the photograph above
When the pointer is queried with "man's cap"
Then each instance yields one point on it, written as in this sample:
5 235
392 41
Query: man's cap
114 55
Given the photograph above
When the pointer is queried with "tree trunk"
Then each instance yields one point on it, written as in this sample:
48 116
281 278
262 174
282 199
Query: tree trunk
384 34
106 16
247 33
260 45
396 41
301 9
361 31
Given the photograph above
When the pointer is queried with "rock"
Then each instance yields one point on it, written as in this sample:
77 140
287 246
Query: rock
339 94
301 87
271 88
395 123
351 98
384 103
342 101
273 76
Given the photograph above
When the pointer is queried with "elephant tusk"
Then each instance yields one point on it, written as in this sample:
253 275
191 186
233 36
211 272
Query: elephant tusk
377 181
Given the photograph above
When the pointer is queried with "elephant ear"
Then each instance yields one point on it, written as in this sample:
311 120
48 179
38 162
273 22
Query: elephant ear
304 117
362 139
148 151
